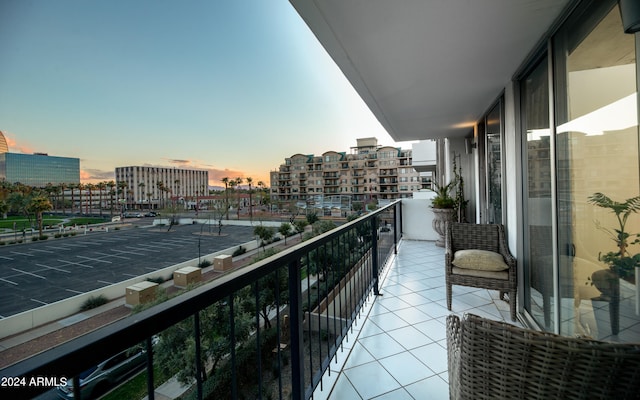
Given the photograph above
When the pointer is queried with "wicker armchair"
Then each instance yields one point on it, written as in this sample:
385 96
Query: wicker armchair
496 360
480 237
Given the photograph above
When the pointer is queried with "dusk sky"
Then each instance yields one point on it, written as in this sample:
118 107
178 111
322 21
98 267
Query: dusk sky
230 86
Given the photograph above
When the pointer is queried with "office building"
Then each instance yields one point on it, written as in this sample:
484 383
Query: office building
38 169
152 187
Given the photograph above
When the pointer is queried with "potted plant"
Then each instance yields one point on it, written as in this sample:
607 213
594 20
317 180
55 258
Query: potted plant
444 209
621 264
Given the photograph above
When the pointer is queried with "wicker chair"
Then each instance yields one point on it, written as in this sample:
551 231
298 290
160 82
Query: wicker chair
480 237
496 360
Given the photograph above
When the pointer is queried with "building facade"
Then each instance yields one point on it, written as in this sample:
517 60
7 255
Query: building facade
153 187
39 169
368 173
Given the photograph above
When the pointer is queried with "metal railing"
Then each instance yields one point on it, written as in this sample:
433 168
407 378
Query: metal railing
268 330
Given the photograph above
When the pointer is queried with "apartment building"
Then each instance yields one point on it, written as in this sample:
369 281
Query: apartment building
335 179
152 187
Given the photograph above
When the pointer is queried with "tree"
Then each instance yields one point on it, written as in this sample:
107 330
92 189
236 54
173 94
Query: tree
63 188
249 182
300 225
264 233
101 186
72 187
285 230
225 180
80 189
312 218
90 187
141 186
272 291
112 192
38 205
176 348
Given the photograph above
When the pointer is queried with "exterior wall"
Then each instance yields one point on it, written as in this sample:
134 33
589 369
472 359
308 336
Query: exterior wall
144 184
370 173
38 169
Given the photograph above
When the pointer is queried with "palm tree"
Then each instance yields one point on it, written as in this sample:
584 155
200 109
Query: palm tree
72 187
225 180
63 188
250 181
90 187
101 187
111 185
141 186
238 182
38 205
80 189
160 186
122 185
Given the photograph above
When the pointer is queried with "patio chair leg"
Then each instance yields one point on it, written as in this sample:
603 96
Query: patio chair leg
448 296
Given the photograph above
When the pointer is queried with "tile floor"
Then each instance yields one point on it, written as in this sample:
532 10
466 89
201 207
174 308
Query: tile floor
398 348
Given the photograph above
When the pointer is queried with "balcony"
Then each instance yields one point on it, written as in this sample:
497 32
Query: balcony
323 333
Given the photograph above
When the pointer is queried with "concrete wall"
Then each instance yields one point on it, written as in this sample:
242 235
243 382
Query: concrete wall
417 217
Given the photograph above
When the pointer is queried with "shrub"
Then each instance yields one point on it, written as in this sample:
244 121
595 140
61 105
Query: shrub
93 302
73 233
156 279
2 243
238 251
34 239
57 235
44 237
204 263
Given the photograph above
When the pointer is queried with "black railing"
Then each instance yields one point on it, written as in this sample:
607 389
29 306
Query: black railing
268 330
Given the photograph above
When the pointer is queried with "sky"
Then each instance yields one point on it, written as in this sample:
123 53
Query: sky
230 86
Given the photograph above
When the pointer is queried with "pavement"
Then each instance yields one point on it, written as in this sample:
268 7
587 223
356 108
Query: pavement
171 389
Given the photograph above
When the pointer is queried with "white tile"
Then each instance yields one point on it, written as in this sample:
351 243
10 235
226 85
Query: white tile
412 315
432 328
433 388
358 356
388 321
409 337
370 380
343 389
433 356
405 368
381 346
398 394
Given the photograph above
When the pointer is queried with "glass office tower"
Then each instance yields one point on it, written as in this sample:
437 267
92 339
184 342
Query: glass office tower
38 169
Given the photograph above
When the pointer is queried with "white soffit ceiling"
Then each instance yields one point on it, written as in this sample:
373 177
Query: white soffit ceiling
429 68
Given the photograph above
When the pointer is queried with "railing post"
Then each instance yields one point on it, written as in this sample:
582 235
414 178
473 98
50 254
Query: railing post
295 331
151 394
395 228
374 253
196 328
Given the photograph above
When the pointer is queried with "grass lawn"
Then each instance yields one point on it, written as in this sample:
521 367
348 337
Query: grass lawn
23 222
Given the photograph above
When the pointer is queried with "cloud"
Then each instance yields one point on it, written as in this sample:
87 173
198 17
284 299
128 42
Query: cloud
15 147
180 162
96 175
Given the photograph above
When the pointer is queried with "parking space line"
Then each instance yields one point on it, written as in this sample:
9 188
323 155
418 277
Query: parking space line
8 281
75 263
38 301
7 258
95 259
132 275
105 282
22 254
42 251
29 273
74 291
112 255
127 252
54 268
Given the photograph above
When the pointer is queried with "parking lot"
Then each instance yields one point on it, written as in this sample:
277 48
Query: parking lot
43 272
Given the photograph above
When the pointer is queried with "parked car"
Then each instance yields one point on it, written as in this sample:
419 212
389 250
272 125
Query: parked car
151 214
106 375
133 214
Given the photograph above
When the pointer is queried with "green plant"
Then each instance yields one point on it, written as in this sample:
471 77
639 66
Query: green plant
204 263
240 250
621 262
93 302
443 197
